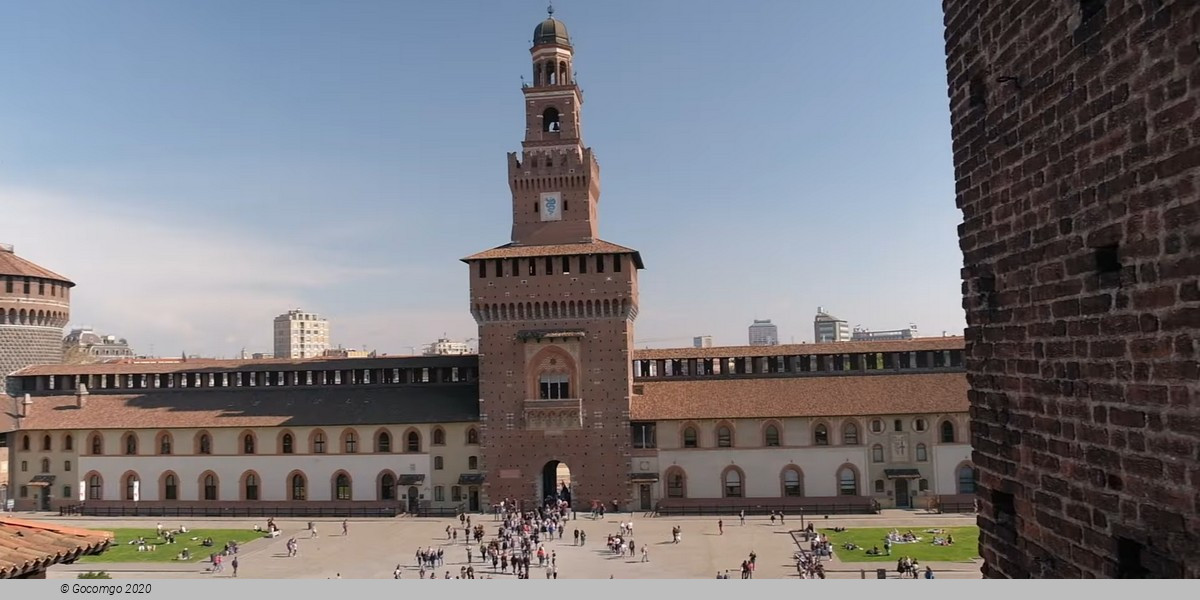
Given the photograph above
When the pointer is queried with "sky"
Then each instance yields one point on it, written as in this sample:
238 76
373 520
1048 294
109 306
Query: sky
198 168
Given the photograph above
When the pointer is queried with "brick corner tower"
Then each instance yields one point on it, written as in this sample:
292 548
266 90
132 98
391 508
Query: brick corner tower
555 309
35 305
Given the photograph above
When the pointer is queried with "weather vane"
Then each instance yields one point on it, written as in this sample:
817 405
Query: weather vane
550 9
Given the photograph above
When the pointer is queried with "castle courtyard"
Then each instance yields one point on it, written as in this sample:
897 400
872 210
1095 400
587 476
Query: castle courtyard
374 547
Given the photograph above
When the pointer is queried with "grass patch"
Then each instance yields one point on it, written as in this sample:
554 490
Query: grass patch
965 547
122 551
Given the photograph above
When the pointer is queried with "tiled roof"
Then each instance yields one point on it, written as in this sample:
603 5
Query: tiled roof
28 547
260 407
11 264
205 365
828 396
595 247
913 345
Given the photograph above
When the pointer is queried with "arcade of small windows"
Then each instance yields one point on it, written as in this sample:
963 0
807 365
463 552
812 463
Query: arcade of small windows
799 365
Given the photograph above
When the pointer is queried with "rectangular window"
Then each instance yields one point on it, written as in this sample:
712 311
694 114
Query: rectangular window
439 493
599 263
482 269
41 287
582 265
644 435
549 266
8 284
26 285
553 387
455 493
566 265
514 267
532 267
24 492
617 263
66 491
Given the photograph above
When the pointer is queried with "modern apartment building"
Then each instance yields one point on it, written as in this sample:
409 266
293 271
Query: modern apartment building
702 341
764 333
300 334
828 328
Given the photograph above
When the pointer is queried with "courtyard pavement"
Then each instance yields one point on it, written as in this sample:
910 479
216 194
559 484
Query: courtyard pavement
374 547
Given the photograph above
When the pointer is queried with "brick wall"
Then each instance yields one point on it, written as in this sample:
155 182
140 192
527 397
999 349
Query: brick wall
1075 126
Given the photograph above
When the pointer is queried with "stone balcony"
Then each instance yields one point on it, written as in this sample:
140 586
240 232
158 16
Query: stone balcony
554 415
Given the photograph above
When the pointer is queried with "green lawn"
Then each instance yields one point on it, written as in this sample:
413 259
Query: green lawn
965 547
122 551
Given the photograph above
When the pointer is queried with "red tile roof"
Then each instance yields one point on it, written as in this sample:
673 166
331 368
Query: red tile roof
813 396
29 547
11 264
259 407
204 365
595 247
913 345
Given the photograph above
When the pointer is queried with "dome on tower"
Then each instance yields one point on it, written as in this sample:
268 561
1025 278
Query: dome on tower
551 31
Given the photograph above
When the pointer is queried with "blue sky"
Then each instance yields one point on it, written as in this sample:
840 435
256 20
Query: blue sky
199 167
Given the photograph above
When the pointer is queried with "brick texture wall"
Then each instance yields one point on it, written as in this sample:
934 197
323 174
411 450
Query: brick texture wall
1075 129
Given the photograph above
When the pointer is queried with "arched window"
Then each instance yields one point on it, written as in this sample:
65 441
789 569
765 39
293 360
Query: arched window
164 443
877 453
250 486
46 443
287 444
472 437
724 437
341 487
205 444
209 481
97 444
412 443
689 438
472 463
439 437
45 465
550 117
922 453
733 483
966 479
170 487
318 442
947 432
878 486
95 487
793 482
299 487
68 442
387 487
130 486
383 442
676 483
350 442
130 444
771 436
25 442
847 482
850 434
248 443
821 435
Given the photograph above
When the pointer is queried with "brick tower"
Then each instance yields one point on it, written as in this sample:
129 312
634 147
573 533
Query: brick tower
555 309
35 305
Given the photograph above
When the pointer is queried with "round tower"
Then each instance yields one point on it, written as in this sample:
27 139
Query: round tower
35 305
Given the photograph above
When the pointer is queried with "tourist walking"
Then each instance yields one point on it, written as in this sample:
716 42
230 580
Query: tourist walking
234 564
742 517
345 527
720 527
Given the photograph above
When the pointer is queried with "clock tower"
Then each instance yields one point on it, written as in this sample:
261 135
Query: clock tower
555 309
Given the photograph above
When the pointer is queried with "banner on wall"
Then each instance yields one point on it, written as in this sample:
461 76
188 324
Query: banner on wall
82 490
551 206
137 489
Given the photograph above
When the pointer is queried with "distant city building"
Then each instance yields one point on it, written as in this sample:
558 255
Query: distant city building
300 334
828 328
261 356
702 341
445 347
764 333
341 352
865 335
84 344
